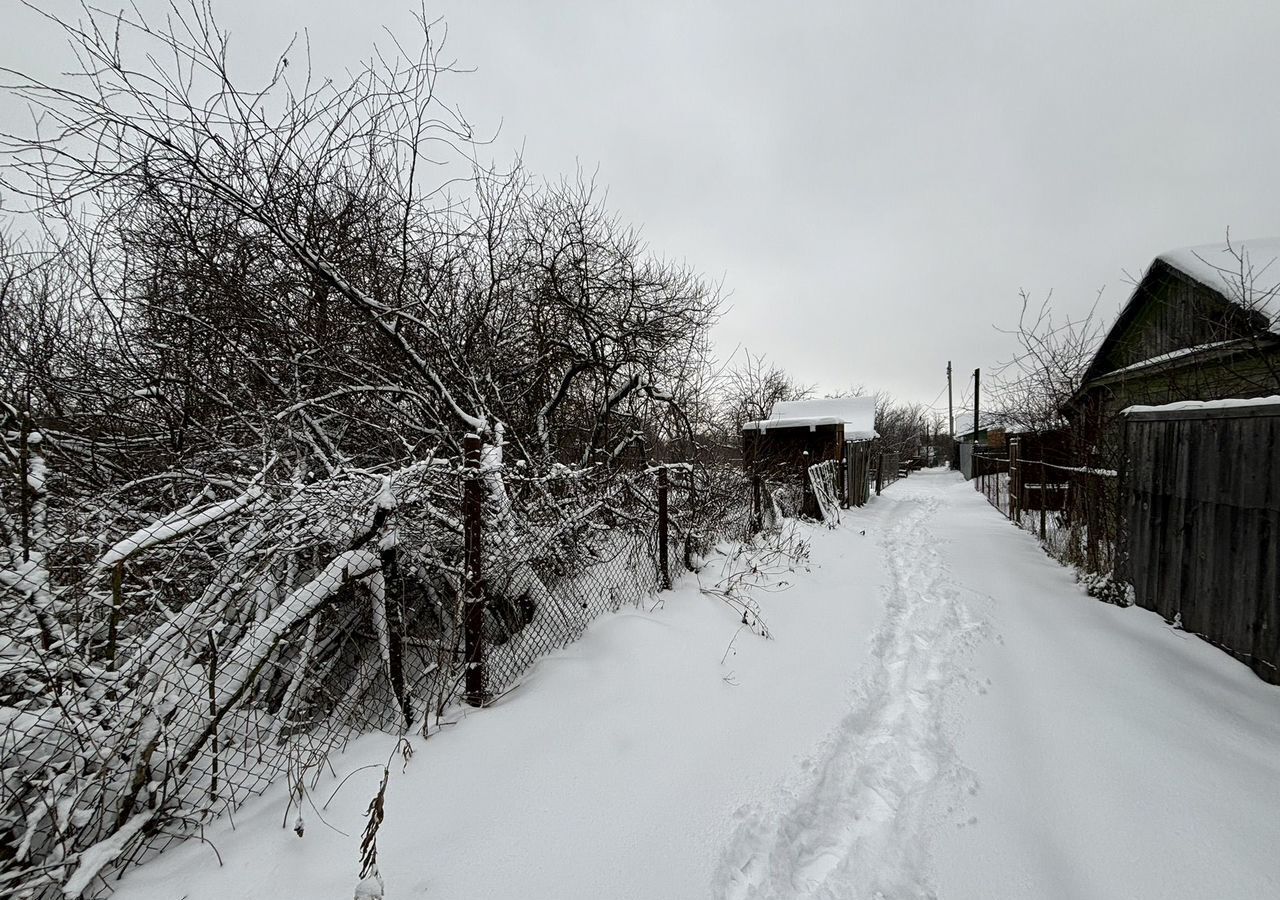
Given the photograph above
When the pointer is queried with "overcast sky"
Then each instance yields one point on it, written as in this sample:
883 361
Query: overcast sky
874 182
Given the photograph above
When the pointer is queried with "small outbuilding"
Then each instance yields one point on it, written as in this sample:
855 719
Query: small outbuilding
800 433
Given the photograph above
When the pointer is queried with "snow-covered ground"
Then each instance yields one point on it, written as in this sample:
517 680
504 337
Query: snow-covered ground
941 712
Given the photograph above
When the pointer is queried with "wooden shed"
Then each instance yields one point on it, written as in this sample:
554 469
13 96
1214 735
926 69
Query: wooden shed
799 433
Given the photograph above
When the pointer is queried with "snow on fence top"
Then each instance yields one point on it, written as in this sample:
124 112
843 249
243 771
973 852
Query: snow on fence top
856 414
1245 272
1273 403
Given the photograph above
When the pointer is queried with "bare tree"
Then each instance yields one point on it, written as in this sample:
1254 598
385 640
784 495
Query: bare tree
1031 388
755 384
237 374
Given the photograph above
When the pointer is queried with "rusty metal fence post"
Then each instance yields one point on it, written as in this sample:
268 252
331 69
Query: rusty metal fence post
393 603
113 618
473 581
664 570
757 505
213 717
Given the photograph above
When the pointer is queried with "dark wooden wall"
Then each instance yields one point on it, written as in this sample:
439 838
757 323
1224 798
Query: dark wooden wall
788 452
1202 502
1174 311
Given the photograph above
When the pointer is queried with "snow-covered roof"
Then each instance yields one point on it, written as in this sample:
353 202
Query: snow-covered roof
856 414
1197 405
1245 272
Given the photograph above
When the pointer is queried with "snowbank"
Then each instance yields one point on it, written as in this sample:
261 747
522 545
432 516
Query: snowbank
942 711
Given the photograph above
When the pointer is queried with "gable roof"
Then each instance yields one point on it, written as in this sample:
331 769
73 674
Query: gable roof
1244 273
856 414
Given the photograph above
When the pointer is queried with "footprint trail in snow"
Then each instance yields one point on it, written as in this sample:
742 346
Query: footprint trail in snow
861 826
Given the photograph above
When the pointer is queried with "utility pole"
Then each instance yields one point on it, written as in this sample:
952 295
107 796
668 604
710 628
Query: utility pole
976 377
951 415
951 421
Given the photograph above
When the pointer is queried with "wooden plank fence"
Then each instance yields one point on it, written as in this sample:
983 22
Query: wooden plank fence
1202 543
857 473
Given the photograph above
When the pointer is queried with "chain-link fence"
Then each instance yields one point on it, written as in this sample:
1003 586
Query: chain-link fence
1073 509
161 660
888 469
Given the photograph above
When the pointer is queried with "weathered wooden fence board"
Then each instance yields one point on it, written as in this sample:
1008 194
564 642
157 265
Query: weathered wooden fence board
857 468
1202 492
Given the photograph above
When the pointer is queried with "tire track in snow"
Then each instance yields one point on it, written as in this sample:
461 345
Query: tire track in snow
863 825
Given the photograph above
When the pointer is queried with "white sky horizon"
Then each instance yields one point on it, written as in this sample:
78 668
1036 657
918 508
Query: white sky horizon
873 183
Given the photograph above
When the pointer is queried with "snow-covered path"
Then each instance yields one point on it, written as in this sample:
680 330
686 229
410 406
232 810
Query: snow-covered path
942 712
861 827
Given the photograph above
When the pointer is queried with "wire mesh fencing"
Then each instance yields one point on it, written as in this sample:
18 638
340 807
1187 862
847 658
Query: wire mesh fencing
888 469
162 660
1074 510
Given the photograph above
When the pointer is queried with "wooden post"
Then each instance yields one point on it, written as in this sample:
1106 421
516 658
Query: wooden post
664 570
848 467
757 503
1044 496
1121 551
1014 472
953 457
474 692
838 468
976 426
864 475
880 474
1091 523
808 503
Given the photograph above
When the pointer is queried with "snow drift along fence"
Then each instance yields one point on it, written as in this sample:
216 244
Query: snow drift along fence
1074 509
1187 527
163 659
